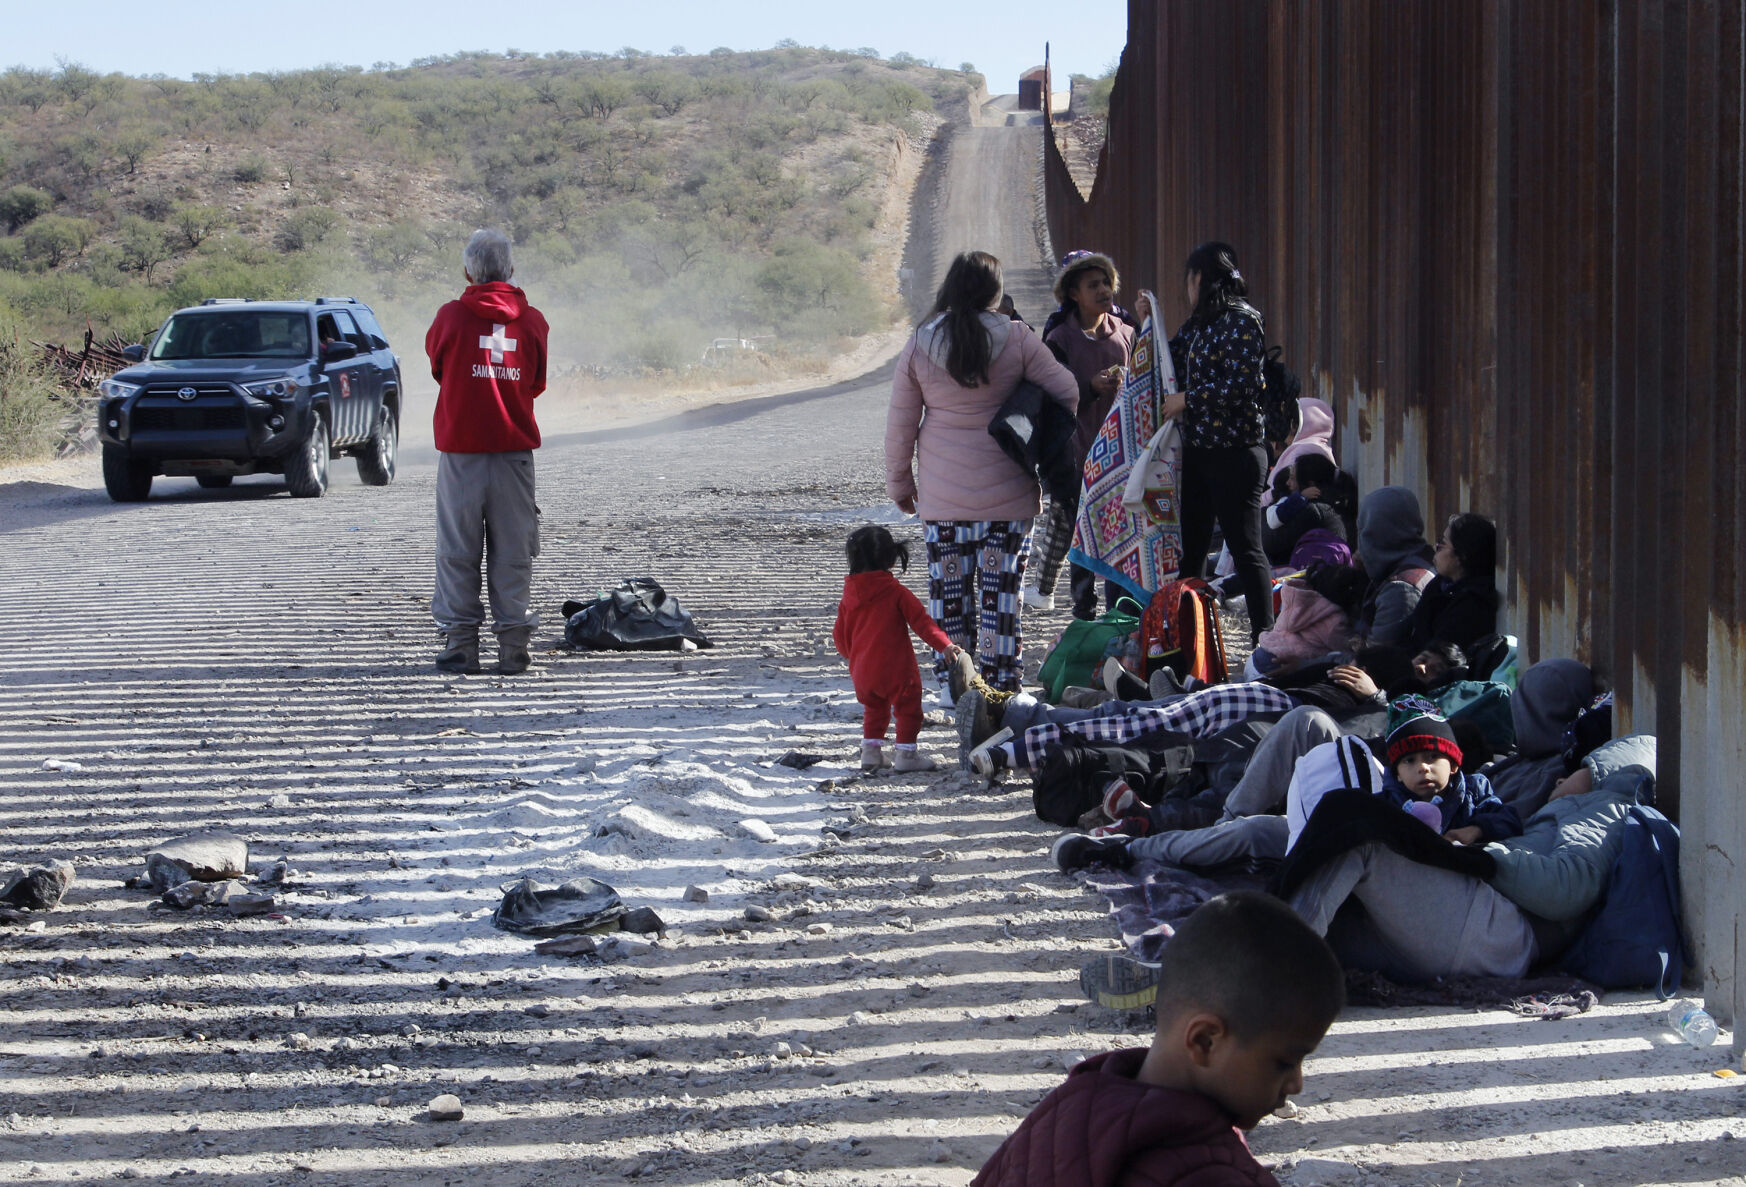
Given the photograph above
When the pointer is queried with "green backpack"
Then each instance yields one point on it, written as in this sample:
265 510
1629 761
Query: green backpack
1082 647
1485 702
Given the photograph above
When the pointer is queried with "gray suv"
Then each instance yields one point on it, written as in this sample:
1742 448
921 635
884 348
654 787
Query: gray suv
233 387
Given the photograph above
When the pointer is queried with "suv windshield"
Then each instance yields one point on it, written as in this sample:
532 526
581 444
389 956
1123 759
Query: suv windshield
234 334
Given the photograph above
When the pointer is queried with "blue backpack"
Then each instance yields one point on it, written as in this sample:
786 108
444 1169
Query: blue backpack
1635 939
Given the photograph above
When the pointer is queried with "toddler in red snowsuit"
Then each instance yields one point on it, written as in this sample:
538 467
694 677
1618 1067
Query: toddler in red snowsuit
872 633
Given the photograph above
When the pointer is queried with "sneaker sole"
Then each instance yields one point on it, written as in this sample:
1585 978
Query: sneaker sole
966 723
1120 982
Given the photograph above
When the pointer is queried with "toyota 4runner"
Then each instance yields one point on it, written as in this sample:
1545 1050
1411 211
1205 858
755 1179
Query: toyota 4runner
234 387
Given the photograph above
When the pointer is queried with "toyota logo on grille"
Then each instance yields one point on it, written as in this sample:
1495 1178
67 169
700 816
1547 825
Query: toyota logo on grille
186 393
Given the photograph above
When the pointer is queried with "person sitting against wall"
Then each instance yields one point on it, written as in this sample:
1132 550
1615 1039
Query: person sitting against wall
1321 497
1460 605
1397 560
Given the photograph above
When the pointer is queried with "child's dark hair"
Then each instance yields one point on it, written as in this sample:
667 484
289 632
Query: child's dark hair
1314 469
1342 585
1453 659
1254 962
872 549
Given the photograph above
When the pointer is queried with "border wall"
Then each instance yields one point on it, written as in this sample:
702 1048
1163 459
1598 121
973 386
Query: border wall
1503 240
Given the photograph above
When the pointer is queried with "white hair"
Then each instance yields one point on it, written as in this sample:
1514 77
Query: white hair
486 256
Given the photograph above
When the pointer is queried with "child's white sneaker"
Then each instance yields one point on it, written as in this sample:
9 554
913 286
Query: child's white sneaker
912 760
1035 598
987 758
873 756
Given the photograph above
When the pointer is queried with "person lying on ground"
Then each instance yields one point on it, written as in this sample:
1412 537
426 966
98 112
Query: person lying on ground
872 630
1460 605
1550 697
1438 664
1026 727
1525 900
1319 489
1245 992
1397 561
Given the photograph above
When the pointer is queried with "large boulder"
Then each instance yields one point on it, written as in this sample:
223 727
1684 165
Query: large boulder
203 857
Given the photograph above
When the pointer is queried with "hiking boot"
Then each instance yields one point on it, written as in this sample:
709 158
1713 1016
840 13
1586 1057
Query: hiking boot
1118 981
909 762
512 653
961 676
976 723
1075 851
873 757
1122 684
987 758
1036 599
460 652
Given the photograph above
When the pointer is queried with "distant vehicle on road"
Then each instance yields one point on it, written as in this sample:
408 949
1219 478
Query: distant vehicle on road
720 350
233 387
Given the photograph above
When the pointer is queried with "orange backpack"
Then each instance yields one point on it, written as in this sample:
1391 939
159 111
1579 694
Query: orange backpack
1180 630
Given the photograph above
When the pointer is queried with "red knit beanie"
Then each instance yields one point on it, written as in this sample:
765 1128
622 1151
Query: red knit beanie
1423 731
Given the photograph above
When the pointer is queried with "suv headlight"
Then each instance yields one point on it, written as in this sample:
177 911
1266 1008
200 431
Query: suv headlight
115 389
282 388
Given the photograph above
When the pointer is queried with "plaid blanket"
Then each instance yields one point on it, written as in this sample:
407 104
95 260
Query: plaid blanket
1138 552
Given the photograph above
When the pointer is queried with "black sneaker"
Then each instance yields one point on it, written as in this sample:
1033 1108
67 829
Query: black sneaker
1075 851
1120 982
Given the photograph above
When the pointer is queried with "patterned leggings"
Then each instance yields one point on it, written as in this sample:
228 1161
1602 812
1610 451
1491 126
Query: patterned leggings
984 561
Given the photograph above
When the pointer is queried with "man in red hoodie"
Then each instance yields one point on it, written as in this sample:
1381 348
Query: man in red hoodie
488 355
1245 992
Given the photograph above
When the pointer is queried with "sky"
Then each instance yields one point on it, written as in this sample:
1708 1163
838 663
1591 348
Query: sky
180 38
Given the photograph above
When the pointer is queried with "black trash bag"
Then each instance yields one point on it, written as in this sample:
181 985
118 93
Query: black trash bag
637 616
586 904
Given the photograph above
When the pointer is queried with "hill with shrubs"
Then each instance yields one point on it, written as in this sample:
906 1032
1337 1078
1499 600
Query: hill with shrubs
657 201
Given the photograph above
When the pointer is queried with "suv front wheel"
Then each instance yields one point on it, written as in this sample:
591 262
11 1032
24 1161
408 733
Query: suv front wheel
376 463
126 480
306 470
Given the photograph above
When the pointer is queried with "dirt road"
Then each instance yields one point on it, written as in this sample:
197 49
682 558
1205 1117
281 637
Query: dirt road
242 660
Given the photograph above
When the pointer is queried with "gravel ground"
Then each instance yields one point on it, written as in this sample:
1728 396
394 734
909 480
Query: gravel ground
907 992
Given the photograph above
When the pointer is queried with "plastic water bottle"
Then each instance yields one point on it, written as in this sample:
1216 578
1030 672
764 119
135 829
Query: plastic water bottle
1692 1023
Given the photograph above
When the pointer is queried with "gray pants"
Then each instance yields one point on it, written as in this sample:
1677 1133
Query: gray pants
1263 785
1417 922
485 510
1226 841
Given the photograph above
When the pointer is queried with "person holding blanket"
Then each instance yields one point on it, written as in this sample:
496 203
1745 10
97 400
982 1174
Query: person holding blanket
1090 338
976 502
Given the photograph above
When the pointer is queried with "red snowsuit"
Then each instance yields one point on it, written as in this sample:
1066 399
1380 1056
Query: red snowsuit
872 633
488 355
1103 1128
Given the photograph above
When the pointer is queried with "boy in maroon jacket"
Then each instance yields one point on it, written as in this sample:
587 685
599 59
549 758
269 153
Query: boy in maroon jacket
488 355
1246 992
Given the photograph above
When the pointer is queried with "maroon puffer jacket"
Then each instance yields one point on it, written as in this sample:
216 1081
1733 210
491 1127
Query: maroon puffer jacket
1103 1128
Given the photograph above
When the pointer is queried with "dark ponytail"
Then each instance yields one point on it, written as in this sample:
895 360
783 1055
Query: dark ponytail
1222 287
971 287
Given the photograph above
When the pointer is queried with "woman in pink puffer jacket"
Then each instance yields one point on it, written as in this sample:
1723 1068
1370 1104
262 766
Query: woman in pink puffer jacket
941 464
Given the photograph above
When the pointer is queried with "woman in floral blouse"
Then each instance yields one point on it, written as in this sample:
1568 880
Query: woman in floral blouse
1218 354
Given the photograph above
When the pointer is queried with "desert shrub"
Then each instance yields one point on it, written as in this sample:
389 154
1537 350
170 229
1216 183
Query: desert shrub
250 169
22 203
31 403
307 228
54 238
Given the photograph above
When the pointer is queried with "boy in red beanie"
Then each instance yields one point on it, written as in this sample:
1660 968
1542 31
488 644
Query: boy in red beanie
1245 993
1425 778
488 355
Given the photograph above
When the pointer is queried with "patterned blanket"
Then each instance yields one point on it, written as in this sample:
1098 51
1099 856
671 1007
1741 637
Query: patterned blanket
1139 552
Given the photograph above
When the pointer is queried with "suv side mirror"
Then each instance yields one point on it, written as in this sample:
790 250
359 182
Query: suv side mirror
134 353
333 352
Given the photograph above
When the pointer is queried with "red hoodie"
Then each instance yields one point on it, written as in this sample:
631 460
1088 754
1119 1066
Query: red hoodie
488 355
872 632
1103 1128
